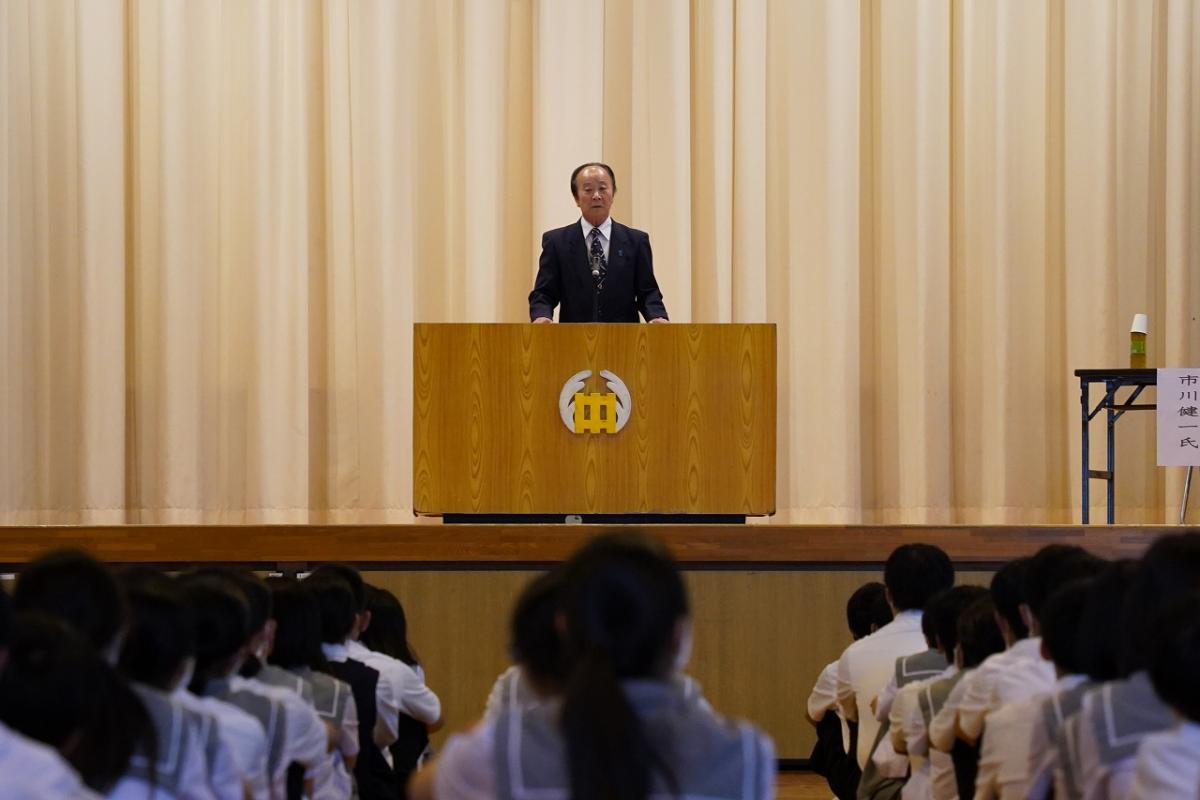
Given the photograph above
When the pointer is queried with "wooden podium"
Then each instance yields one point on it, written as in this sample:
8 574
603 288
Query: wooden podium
682 423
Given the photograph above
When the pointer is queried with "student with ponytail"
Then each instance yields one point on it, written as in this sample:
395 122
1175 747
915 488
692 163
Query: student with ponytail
623 727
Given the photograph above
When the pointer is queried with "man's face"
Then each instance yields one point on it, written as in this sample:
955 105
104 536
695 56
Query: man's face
594 194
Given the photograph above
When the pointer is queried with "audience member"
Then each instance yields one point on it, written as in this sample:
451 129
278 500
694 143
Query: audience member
29 769
622 727
1167 766
297 650
834 756
909 721
1114 718
913 574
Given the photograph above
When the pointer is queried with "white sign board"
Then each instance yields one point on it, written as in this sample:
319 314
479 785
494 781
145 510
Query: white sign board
1179 417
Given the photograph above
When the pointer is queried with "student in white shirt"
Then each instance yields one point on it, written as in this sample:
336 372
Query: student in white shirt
306 740
834 756
1102 739
1017 692
979 636
160 641
1167 766
384 641
114 728
622 727
1085 652
253 728
908 728
57 690
538 671
30 770
297 649
913 574
411 695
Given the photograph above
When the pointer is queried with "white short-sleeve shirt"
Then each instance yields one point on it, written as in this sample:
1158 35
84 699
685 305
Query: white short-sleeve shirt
30 770
865 668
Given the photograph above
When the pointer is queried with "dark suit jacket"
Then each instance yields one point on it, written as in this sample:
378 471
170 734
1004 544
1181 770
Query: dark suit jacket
564 276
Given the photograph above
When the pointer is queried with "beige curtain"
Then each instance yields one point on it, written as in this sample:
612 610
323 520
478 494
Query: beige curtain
221 219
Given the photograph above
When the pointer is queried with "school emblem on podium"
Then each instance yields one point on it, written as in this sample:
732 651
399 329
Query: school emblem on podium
594 412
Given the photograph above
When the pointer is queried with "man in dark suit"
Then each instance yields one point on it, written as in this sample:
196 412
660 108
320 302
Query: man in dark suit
597 269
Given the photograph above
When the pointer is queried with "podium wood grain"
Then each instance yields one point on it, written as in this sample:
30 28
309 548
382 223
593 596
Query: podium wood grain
487 437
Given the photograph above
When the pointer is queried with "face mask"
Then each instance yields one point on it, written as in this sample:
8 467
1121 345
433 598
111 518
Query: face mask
260 653
684 654
189 671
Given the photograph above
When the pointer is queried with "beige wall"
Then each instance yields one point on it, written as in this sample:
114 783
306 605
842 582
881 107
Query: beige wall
761 638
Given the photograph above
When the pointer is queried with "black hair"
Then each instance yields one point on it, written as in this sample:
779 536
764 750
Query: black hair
1176 659
535 641
58 690
1052 567
161 637
866 607
388 631
978 634
942 613
1169 569
297 628
916 572
335 599
77 589
352 578
1060 620
611 176
1008 593
1099 639
623 599
222 625
250 587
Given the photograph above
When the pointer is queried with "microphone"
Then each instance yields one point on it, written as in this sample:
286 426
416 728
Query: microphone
595 267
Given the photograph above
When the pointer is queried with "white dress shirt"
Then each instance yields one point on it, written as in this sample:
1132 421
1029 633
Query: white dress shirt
412 696
1015 674
823 699
865 668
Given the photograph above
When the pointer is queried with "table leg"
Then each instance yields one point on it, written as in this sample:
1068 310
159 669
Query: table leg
1083 400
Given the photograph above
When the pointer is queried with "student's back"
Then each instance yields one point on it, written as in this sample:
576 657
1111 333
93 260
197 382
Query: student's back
622 728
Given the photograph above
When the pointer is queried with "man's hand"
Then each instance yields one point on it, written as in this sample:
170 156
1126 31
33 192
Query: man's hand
540 320
657 320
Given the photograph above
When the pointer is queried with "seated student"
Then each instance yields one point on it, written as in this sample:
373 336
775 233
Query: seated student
537 672
30 770
1085 653
1167 766
913 574
407 684
305 739
1018 690
373 696
1102 739
159 644
886 775
979 636
1020 671
622 728
80 591
297 649
250 724
387 635
908 725
56 689
834 755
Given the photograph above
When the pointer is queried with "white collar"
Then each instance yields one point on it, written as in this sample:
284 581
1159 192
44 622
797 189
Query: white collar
335 652
605 228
